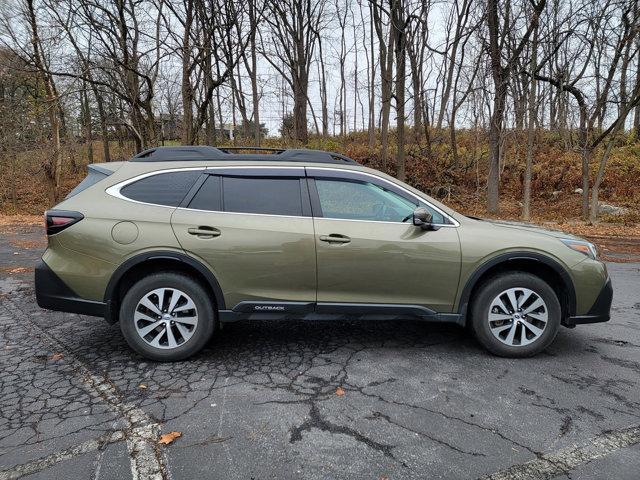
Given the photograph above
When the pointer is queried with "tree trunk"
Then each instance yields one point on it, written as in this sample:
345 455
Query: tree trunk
372 88
417 103
636 115
187 90
495 130
257 134
526 200
323 92
104 130
300 109
593 214
386 74
86 122
398 27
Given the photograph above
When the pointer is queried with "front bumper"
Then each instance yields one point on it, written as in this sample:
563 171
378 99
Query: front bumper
53 294
599 312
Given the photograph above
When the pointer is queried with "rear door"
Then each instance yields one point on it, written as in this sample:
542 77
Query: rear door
253 227
368 250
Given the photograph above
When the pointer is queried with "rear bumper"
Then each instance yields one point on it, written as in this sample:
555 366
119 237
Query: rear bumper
599 312
53 294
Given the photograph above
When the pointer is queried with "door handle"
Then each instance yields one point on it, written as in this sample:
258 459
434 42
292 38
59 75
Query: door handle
335 238
204 231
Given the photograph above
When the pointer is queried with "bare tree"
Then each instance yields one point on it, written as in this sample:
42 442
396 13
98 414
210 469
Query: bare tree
399 33
212 30
531 129
294 29
35 57
386 37
591 113
501 72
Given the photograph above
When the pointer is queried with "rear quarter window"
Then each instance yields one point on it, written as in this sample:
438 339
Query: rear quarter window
90 180
168 188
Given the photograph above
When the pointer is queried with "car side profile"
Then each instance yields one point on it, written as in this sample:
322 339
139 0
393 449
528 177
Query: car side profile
178 240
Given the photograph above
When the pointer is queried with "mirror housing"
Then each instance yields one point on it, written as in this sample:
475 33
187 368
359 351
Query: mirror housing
422 218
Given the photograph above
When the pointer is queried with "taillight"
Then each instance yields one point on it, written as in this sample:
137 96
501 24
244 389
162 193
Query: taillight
57 220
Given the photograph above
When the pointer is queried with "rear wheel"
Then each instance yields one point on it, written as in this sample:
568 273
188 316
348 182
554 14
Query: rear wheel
167 317
516 315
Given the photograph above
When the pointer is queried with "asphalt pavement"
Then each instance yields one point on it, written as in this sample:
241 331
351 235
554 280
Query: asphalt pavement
316 400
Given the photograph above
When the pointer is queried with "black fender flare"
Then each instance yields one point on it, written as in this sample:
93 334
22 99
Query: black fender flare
511 256
127 265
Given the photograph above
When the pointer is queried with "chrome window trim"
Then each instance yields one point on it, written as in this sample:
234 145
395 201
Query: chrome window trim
243 213
454 223
114 191
265 167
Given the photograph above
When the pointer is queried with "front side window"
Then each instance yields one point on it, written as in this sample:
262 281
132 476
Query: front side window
271 196
354 200
163 188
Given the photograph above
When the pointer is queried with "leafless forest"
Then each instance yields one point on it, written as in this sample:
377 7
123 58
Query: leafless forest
414 83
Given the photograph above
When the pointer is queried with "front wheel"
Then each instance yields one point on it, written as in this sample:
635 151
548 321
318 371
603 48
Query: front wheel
516 315
167 317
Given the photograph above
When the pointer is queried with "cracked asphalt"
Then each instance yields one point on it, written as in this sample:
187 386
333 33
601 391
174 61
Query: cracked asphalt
420 400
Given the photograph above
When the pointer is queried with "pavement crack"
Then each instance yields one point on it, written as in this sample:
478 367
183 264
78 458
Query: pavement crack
316 421
388 419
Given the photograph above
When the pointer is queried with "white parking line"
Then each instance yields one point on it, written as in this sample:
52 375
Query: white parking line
45 462
551 465
140 432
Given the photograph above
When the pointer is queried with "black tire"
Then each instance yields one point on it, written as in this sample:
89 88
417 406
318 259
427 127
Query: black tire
490 290
206 323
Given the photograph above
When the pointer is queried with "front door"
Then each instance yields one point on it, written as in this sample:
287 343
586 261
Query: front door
368 250
253 229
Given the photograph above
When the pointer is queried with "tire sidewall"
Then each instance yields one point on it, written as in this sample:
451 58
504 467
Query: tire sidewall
206 316
491 289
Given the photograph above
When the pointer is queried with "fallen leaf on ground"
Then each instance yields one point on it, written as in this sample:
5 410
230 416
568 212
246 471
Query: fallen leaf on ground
18 270
56 356
142 386
168 438
340 391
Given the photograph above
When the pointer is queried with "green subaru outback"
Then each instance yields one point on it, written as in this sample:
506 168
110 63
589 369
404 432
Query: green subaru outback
178 240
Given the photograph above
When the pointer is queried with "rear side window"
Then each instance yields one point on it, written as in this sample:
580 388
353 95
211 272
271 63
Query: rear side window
272 196
208 196
162 189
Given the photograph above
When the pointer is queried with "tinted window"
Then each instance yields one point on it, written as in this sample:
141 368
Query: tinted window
274 196
365 201
162 189
90 180
208 196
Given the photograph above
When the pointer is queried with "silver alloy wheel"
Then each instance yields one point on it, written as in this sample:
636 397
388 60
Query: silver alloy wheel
518 316
166 318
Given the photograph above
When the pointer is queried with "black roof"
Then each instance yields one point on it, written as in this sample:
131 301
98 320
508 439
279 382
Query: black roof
197 152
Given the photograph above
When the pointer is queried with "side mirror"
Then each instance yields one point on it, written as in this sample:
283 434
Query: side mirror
422 218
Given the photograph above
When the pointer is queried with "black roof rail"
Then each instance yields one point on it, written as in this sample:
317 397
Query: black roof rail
199 152
257 149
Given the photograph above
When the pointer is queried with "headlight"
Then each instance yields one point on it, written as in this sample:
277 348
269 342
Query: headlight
588 248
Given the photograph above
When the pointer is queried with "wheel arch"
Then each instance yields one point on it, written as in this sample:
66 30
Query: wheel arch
157 261
537 264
